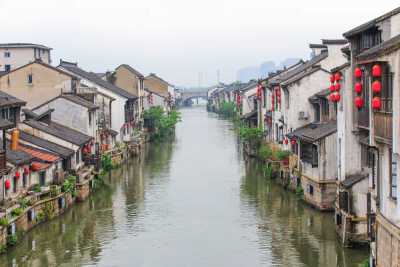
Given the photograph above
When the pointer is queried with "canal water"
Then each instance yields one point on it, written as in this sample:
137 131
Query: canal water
193 202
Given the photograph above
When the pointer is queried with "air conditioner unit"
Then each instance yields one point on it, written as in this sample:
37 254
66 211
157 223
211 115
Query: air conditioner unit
303 115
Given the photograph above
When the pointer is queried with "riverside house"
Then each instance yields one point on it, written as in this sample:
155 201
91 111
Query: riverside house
132 81
42 126
155 84
248 110
375 78
15 55
37 82
123 108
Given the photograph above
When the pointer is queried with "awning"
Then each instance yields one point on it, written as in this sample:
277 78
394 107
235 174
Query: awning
353 179
314 131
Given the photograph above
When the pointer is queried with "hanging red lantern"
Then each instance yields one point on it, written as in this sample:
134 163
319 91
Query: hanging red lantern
358 87
359 102
332 88
376 87
376 103
17 174
376 70
335 97
338 76
7 184
332 78
337 86
332 97
358 72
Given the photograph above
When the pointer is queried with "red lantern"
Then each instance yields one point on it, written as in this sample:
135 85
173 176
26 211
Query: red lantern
357 72
338 76
332 88
17 174
332 78
376 103
286 141
376 71
359 102
358 88
376 87
335 97
337 86
293 142
7 184
26 170
332 97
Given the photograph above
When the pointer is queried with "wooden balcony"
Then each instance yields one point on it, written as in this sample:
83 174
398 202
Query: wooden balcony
383 126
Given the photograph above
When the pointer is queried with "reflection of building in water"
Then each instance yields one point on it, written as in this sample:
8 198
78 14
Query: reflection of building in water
297 234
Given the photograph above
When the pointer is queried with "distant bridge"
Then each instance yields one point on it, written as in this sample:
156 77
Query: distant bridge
186 96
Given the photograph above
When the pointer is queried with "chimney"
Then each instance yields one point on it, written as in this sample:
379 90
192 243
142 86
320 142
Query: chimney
14 139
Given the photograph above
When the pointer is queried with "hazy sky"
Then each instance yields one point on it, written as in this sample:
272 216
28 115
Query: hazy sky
178 39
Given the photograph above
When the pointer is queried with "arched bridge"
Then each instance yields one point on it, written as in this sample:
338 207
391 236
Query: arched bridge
188 95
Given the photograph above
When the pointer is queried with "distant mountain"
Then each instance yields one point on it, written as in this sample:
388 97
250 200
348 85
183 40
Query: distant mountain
253 72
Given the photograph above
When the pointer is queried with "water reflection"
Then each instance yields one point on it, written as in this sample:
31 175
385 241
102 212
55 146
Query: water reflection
191 202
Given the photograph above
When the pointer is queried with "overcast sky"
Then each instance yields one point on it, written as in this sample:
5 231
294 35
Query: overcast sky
178 39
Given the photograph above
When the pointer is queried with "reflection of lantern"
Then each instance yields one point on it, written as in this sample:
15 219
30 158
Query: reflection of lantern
26 170
338 76
359 102
376 70
358 88
376 103
376 87
17 174
357 72
7 184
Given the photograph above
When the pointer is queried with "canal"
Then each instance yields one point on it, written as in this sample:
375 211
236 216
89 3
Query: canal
193 202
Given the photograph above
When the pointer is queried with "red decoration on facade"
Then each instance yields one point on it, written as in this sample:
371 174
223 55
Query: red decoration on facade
377 87
26 170
7 184
376 103
338 76
358 72
376 70
332 88
358 87
335 97
359 102
17 174
337 86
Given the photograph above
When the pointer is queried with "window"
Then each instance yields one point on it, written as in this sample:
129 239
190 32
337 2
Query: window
7 54
393 175
7 68
5 113
367 40
30 78
42 178
15 181
325 107
309 153
387 90
24 179
317 112
311 189
90 119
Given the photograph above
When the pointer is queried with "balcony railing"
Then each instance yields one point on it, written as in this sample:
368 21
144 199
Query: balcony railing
383 125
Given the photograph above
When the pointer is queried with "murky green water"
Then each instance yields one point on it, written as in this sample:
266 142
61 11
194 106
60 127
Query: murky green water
195 202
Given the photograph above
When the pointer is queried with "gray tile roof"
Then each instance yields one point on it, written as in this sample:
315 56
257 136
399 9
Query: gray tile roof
24 45
286 75
381 49
334 41
60 131
73 68
353 179
80 101
63 152
303 74
315 131
16 157
7 100
371 23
